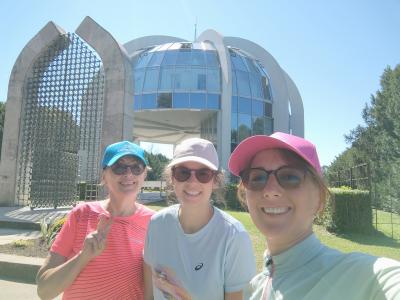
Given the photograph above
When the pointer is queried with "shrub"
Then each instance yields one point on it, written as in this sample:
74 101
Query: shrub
50 231
232 201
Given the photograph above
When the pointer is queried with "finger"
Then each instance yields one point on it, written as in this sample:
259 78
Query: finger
104 225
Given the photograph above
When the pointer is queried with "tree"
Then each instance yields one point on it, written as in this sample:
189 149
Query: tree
157 163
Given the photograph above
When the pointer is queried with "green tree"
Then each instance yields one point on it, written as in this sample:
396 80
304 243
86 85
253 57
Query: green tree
157 163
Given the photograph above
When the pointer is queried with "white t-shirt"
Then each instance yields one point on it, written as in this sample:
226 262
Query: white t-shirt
217 259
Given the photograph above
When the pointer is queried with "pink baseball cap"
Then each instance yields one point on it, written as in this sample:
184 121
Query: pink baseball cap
197 150
248 148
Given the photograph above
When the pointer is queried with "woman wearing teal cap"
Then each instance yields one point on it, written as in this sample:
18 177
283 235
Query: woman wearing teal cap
98 253
282 185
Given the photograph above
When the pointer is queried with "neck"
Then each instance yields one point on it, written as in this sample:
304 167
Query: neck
121 206
193 218
277 246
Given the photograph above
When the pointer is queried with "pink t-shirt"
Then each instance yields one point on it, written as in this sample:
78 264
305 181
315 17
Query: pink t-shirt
118 272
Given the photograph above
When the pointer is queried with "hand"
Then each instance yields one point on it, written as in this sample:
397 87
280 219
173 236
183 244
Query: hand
96 241
170 289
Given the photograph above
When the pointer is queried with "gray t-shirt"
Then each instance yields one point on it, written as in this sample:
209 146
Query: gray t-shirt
217 259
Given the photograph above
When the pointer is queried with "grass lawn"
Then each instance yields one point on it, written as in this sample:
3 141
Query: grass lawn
378 243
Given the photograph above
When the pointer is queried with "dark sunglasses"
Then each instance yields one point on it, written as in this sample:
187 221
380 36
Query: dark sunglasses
203 175
120 169
255 179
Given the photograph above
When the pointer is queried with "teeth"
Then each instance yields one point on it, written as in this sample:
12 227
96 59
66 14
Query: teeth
275 210
192 193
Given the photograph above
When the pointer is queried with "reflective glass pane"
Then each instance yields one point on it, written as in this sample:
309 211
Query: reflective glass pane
182 79
197 100
139 78
266 88
233 146
184 57
199 79
198 58
213 80
244 106
212 59
164 100
156 59
149 101
143 60
170 58
213 101
268 109
244 126
151 80
258 125
234 128
243 83
238 63
255 83
234 84
181 100
269 126
234 107
251 66
167 78
137 99
257 108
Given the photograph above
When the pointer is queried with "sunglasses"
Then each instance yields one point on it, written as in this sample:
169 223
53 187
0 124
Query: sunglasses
203 175
120 169
255 179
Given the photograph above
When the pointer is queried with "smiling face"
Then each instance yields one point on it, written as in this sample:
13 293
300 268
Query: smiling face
284 216
126 183
191 191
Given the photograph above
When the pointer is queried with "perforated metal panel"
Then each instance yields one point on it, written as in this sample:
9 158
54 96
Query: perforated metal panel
61 125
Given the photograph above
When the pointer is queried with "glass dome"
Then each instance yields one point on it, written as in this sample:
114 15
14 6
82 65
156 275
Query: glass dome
177 76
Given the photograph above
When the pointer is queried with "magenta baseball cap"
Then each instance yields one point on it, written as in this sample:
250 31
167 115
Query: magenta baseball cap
248 148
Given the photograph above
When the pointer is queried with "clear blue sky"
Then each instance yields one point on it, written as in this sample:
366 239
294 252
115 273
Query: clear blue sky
335 51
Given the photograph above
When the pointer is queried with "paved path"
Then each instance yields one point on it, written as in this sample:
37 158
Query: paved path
18 291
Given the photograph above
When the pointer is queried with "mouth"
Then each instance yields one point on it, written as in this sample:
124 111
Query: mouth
192 193
127 183
275 210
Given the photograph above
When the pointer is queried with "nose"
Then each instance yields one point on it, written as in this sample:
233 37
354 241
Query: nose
192 177
272 188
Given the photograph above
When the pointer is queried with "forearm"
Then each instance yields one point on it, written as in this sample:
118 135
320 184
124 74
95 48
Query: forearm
234 296
55 280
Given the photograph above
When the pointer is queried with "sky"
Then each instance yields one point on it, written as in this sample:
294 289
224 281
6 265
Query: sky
334 51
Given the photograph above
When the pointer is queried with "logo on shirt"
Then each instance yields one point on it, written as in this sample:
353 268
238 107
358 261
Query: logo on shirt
198 267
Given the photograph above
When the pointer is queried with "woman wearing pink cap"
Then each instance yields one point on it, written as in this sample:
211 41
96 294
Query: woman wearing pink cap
98 253
195 250
282 185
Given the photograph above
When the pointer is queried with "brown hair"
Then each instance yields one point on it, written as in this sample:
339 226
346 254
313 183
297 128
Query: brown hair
315 176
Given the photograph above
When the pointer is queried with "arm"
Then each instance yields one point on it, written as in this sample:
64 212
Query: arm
234 296
148 284
57 273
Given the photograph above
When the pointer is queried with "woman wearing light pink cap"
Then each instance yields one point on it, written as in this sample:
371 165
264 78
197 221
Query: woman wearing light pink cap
282 185
193 249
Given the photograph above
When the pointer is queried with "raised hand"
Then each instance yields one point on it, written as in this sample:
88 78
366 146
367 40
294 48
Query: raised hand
171 290
96 241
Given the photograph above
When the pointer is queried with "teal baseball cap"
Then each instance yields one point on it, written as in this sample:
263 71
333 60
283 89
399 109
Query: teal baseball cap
115 151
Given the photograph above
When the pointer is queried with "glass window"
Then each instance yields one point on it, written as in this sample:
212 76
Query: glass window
212 59
149 101
143 60
170 58
234 84
244 106
197 100
213 80
181 100
139 78
233 146
258 125
198 58
151 80
243 84
266 88
244 126
268 109
213 101
238 63
251 66
167 78
255 83
234 107
164 100
199 79
156 59
269 126
137 99
234 128
182 78
257 108
184 57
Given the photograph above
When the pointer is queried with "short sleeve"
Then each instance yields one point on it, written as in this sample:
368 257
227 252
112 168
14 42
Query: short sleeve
65 238
388 275
147 255
240 265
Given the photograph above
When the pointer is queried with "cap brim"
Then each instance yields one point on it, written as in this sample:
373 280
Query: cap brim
248 148
200 160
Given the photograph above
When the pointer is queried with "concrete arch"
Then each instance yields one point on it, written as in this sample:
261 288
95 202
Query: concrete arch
12 135
296 105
